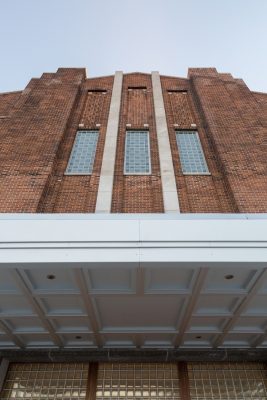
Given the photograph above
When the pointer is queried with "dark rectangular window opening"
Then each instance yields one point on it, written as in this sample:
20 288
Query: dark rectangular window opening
137 88
91 91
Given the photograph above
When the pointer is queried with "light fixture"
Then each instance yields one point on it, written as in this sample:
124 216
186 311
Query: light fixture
51 277
230 276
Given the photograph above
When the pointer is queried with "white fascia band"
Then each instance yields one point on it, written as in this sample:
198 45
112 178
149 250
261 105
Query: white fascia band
170 194
104 195
66 239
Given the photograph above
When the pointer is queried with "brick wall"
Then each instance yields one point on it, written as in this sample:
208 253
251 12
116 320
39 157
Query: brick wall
7 102
261 99
30 139
197 193
78 193
133 194
234 126
40 124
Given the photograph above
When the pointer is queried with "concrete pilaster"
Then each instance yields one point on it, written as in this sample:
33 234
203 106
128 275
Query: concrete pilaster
170 194
104 196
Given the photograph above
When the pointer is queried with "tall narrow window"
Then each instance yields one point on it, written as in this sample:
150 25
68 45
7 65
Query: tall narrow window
137 153
191 153
82 157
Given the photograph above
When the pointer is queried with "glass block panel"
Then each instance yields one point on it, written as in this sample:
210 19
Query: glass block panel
137 153
191 153
46 381
137 381
227 381
82 157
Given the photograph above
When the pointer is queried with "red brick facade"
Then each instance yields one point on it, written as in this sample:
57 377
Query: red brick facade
38 128
135 194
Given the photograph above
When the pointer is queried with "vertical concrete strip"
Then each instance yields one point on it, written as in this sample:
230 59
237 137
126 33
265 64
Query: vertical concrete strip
104 196
170 194
3 371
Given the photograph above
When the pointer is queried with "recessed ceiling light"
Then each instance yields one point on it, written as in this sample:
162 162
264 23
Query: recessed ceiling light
78 337
230 276
51 276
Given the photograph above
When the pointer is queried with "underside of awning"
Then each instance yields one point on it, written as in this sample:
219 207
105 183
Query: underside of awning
116 284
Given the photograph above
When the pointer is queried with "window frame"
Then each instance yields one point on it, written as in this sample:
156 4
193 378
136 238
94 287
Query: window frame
149 154
72 152
195 132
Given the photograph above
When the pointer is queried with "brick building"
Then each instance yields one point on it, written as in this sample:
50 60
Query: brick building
133 237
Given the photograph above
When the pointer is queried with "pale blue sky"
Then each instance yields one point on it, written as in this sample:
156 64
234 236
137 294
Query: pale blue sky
39 36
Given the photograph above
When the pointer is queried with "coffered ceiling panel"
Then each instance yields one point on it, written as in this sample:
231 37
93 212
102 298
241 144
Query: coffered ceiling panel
117 305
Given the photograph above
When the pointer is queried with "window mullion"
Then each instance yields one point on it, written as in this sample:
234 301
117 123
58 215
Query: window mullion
92 381
184 381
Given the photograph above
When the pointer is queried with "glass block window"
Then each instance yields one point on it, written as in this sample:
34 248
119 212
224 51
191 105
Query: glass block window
227 381
46 381
82 157
136 380
191 153
137 153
